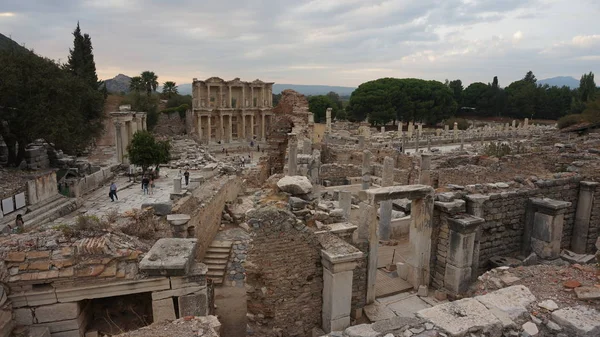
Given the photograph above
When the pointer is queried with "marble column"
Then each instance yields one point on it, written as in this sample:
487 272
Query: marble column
420 231
208 95
208 130
581 229
243 103
366 169
119 141
199 131
252 126
292 154
385 207
230 98
221 128
242 136
345 203
455 131
262 126
229 129
252 97
328 119
125 142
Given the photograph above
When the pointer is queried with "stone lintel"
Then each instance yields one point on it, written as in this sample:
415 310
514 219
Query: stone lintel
452 207
464 223
169 256
339 227
111 289
178 219
478 198
550 206
588 184
411 192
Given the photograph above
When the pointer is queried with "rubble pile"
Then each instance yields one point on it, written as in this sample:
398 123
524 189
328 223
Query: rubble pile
187 154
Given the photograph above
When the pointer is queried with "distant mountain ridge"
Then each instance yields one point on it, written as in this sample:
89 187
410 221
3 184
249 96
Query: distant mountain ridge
7 43
560 81
118 84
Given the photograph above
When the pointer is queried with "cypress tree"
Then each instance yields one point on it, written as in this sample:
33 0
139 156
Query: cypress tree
81 59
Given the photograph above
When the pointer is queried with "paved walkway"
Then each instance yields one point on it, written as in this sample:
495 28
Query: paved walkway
130 196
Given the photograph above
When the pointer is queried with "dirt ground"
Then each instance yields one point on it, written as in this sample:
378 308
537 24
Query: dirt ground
231 309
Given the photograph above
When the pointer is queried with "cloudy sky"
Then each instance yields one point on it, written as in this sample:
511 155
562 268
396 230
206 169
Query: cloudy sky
330 42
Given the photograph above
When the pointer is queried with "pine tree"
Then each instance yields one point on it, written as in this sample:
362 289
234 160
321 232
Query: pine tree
81 59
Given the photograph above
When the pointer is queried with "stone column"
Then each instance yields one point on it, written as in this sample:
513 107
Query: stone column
544 226
399 129
526 123
177 185
208 95
369 241
446 129
311 118
585 200
243 134
410 129
475 207
366 169
425 174
252 96
514 124
220 98
134 126
292 154
199 131
208 129
243 102
403 143
420 129
252 126
429 144
345 203
383 129
229 129
462 141
306 146
328 119
119 141
417 143
125 142
385 207
230 105
455 131
262 126
361 142
420 241
221 127
461 244
337 289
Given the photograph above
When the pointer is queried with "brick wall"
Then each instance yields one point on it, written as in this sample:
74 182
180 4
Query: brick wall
284 272
594 229
337 173
205 206
170 124
359 279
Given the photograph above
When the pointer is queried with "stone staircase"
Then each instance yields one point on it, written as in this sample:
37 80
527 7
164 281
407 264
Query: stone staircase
216 258
38 215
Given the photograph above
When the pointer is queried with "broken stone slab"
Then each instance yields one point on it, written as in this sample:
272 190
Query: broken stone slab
295 185
178 219
378 312
160 208
549 305
361 330
530 328
402 204
582 320
169 257
512 300
587 293
572 257
395 323
463 316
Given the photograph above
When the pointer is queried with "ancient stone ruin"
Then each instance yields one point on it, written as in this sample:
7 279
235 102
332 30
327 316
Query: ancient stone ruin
287 227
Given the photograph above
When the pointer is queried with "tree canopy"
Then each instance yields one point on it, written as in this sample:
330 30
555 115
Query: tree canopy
318 106
169 89
41 99
145 151
150 81
388 99
81 58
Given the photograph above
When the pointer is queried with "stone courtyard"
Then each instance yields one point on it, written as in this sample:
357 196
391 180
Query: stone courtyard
401 231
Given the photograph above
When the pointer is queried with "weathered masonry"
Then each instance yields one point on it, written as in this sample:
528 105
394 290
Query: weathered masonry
228 111
126 124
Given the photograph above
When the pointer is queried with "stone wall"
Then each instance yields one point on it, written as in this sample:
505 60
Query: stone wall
91 182
41 187
359 279
170 124
284 272
338 173
205 206
594 229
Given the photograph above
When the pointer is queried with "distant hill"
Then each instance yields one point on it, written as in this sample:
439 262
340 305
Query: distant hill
560 81
118 84
8 43
313 89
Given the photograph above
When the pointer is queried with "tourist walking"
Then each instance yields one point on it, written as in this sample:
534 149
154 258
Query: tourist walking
145 183
113 192
151 185
186 175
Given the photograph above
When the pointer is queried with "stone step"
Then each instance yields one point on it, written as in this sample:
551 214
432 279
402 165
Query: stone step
33 211
209 261
217 280
217 255
221 244
60 209
218 250
213 266
215 273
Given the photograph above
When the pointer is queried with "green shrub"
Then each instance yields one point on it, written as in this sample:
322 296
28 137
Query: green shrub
182 109
462 123
497 149
90 223
569 120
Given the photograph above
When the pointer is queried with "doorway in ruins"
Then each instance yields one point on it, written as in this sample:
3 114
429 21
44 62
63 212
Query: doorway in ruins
278 142
115 315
